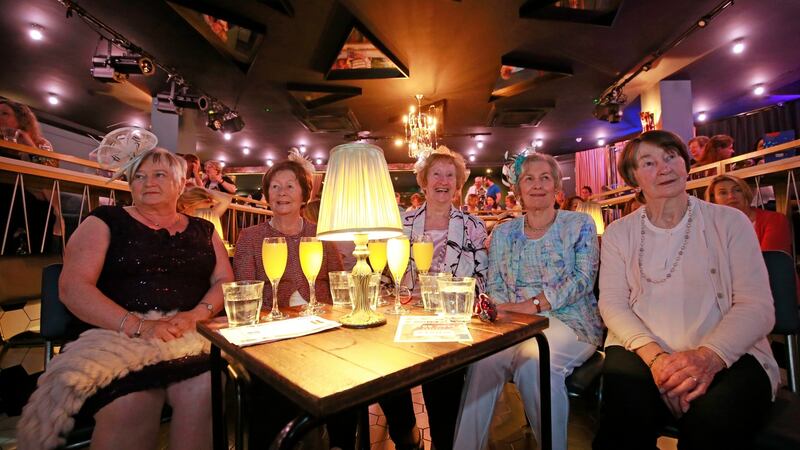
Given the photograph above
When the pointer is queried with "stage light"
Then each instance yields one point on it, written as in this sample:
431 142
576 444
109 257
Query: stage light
225 121
738 46
36 32
132 64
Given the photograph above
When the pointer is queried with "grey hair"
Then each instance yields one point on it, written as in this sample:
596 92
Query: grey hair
555 169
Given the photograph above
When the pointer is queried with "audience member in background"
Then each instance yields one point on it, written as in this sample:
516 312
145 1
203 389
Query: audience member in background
416 201
544 262
458 248
586 192
19 124
399 202
476 188
696 146
209 205
511 202
193 175
684 293
772 228
472 204
717 148
572 203
490 205
16 116
215 181
492 190
180 265
560 200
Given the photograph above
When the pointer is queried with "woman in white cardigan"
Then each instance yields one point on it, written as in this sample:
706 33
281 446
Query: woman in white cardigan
685 295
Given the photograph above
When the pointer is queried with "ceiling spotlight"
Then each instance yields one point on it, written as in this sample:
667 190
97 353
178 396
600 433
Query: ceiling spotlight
601 141
227 136
52 99
270 163
472 157
701 117
480 144
488 170
398 142
318 161
246 150
222 163
578 139
539 142
36 32
738 46
702 22
302 149
759 89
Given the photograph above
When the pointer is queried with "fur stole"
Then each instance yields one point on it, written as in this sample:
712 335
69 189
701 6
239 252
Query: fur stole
89 363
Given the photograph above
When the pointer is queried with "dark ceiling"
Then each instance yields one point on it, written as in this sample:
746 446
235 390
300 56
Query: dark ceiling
452 50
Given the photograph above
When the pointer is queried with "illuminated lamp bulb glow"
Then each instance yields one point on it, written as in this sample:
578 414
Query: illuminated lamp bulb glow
702 117
52 99
227 136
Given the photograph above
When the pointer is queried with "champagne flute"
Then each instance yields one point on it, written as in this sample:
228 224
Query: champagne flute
377 259
397 251
310 262
423 252
274 255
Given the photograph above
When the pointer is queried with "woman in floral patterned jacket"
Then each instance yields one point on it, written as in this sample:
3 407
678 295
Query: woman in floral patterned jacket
542 263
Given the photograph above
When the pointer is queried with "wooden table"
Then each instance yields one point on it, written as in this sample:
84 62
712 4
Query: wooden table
336 370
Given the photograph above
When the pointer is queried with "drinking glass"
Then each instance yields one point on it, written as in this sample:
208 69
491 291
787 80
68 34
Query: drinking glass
429 290
397 252
9 134
310 262
423 252
274 255
458 297
243 301
377 259
340 288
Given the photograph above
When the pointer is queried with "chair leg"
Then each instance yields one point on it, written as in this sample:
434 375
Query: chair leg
241 385
793 364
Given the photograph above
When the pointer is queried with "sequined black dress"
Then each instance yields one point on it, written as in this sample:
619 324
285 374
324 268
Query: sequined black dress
149 270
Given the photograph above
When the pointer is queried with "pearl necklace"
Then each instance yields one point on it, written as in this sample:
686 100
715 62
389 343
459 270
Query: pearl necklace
154 223
680 251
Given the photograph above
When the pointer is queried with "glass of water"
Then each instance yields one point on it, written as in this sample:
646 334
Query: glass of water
429 289
458 296
243 301
340 288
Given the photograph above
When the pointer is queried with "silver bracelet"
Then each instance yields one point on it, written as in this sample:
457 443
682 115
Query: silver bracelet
138 332
122 323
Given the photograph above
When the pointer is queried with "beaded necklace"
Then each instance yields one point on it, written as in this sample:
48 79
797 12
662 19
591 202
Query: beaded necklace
680 251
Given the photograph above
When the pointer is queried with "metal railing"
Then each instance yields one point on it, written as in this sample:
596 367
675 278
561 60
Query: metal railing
27 187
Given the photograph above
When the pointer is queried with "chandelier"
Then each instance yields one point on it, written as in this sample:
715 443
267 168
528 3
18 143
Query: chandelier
420 130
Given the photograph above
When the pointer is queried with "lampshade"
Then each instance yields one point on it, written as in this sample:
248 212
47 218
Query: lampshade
596 213
358 196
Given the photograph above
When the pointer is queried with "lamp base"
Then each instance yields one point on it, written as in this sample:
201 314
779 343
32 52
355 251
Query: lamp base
363 319
363 316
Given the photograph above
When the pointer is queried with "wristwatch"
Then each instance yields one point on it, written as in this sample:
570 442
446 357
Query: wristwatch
209 307
537 303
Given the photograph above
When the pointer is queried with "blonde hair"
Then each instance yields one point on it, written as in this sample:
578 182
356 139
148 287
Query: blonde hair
193 196
176 164
746 191
445 155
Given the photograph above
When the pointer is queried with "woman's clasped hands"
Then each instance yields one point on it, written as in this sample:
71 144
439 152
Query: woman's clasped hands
682 377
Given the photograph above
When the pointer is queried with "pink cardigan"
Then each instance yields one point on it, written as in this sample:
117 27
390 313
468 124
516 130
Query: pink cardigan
735 268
